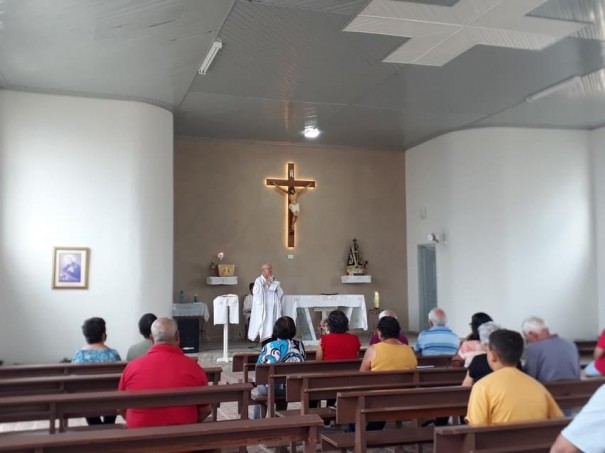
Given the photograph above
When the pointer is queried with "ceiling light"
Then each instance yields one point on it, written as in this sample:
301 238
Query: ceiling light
553 88
214 48
311 132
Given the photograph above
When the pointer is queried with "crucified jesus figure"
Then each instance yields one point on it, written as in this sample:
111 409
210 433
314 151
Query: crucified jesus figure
293 195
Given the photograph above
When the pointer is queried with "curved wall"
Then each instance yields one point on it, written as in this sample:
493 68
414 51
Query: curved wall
82 172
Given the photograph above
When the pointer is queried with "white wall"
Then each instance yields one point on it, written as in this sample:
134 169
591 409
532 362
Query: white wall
91 173
597 143
515 206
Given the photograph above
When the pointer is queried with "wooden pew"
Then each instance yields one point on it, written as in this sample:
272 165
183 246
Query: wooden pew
66 383
270 374
65 369
513 437
246 361
224 434
360 407
54 369
308 387
62 407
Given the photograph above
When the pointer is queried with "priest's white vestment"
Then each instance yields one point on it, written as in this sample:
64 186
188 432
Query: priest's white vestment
266 308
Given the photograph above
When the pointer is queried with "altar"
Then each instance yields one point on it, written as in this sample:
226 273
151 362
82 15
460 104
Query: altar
353 305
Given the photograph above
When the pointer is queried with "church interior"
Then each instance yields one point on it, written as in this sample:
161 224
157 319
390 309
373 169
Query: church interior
471 132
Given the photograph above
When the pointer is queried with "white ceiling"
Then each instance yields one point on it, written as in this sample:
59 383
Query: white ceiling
380 73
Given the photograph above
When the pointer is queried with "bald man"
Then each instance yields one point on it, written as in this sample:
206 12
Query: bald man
376 339
164 366
438 339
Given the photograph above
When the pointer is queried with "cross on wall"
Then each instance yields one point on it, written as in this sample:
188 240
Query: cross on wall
284 185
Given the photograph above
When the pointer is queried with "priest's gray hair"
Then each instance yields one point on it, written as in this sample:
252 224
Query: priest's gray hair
438 317
163 330
486 329
534 324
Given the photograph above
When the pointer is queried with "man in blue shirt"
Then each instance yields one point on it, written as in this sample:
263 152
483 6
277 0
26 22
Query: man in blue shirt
438 339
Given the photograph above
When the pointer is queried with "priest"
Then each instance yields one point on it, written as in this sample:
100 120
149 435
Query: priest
266 305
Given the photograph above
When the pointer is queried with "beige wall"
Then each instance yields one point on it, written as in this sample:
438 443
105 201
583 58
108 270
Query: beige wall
222 204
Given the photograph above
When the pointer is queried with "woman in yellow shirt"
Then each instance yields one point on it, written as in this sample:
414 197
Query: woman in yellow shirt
389 354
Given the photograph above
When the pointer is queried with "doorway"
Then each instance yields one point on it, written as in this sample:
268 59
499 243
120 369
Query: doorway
427 283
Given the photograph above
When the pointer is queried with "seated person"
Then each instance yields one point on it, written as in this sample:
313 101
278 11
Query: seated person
438 339
95 333
508 395
597 366
549 357
585 433
375 339
479 366
284 348
339 344
389 354
141 348
164 366
471 345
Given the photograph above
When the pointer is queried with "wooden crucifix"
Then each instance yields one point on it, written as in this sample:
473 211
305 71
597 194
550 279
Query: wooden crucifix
292 204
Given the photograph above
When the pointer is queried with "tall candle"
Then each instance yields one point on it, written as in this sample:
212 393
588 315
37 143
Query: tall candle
376 299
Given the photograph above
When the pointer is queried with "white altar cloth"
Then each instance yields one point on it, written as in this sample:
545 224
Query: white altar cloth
353 305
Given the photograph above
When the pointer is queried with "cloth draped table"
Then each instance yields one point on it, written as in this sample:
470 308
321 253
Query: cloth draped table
226 310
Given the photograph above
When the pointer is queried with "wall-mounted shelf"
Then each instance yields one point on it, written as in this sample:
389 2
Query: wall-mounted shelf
356 279
221 280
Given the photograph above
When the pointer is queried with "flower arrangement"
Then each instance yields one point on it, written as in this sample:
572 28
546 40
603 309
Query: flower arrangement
220 256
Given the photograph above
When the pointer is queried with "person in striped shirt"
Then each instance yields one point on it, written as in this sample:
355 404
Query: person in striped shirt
438 339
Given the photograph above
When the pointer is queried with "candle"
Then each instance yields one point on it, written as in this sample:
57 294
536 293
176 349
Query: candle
376 299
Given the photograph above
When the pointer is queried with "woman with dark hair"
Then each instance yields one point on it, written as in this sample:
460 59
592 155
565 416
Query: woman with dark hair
95 333
283 348
389 354
471 346
339 344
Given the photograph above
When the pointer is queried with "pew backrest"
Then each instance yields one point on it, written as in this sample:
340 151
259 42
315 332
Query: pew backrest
224 434
65 406
510 437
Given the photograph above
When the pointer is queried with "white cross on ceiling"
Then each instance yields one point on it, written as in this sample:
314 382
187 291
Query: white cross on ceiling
441 33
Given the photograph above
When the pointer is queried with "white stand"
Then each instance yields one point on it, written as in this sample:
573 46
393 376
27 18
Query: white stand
226 310
225 358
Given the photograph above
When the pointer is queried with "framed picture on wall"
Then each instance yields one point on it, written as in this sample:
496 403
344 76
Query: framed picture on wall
70 270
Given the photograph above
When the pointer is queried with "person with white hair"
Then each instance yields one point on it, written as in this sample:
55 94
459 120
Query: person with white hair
479 367
438 339
548 357
375 338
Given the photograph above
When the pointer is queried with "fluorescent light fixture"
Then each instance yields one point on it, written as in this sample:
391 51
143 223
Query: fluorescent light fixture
553 88
214 48
311 132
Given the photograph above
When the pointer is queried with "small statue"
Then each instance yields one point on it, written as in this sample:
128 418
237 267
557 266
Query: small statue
355 265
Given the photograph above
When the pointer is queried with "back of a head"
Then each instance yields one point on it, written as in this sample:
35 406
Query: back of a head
534 324
388 327
284 328
486 329
438 317
338 322
164 330
508 344
93 330
387 312
476 320
145 324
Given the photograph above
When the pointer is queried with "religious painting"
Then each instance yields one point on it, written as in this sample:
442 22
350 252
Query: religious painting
70 269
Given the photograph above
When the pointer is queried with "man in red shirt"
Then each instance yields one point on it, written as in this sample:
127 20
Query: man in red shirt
164 366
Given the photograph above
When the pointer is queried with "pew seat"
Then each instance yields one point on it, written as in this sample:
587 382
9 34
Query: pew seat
377 439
